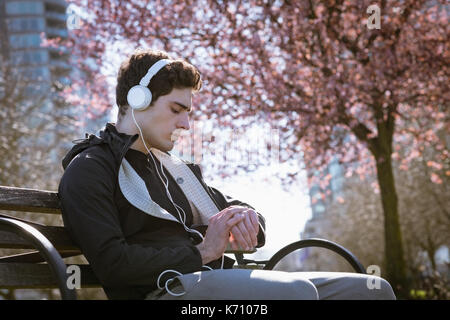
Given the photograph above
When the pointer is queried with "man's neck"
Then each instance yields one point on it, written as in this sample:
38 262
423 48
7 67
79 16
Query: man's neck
124 126
130 129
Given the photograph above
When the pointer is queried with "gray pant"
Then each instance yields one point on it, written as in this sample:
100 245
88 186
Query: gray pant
245 284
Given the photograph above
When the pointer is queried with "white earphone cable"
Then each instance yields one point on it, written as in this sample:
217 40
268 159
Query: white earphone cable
166 184
177 208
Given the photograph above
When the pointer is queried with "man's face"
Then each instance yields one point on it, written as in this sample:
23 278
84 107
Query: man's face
168 114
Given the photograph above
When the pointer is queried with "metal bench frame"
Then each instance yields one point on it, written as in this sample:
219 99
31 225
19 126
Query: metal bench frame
52 244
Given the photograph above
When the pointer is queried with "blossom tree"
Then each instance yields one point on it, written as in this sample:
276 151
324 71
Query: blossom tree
346 79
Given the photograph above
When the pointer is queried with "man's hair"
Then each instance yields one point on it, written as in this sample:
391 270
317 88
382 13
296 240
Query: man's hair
178 74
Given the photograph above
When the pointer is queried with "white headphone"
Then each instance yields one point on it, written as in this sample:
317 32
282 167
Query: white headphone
139 97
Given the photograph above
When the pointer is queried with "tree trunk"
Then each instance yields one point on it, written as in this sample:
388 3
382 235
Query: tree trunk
394 258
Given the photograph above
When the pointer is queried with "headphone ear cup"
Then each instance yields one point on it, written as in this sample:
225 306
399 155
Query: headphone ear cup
139 97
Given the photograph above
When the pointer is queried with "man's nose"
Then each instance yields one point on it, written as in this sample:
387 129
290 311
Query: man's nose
183 122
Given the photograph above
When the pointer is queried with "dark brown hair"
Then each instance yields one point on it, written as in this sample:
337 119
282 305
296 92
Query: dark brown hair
178 74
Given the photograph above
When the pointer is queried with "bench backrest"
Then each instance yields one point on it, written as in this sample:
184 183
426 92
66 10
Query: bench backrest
26 270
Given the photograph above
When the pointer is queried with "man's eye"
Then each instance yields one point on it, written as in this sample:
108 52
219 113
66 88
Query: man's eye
175 111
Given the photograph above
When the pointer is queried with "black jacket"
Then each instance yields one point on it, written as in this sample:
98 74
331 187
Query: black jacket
127 248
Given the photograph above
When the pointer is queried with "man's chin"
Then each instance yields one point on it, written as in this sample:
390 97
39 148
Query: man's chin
167 146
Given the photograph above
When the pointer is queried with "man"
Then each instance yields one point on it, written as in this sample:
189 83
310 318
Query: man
149 225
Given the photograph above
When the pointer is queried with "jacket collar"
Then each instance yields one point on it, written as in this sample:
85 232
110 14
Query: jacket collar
118 142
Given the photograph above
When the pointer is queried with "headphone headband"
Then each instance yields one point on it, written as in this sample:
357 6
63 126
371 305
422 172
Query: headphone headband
139 97
154 70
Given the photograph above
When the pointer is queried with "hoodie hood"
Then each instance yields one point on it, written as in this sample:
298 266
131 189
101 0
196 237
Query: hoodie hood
118 142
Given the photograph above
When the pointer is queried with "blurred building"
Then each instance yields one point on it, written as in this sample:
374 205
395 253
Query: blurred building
23 25
37 70
41 71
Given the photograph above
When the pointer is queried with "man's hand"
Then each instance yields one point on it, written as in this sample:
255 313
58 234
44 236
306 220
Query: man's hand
218 232
244 233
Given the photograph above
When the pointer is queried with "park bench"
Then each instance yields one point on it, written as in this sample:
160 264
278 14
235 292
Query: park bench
44 267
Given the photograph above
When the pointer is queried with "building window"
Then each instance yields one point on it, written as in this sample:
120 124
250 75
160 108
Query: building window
40 73
24 7
30 57
18 41
26 24
36 73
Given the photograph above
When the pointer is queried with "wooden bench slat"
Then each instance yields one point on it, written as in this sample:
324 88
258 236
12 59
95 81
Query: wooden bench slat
36 257
29 200
29 275
57 235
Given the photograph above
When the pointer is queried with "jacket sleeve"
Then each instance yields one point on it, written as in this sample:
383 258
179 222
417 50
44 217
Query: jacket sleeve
224 201
86 193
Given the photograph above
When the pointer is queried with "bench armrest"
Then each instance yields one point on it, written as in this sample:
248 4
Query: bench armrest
315 242
46 248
